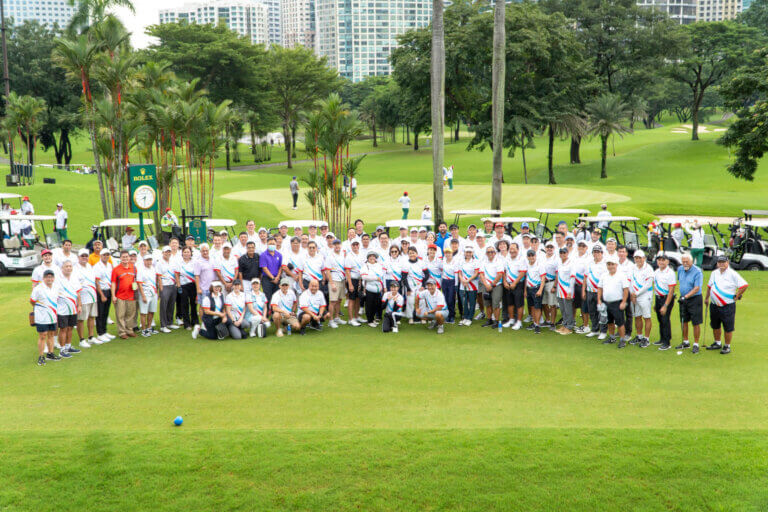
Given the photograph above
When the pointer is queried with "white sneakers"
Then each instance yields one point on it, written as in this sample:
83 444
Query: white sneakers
165 330
173 326
354 323
195 332
591 334
332 324
279 333
110 321
440 329
84 344
602 336
394 328
340 321
373 324
252 332
179 321
509 323
517 325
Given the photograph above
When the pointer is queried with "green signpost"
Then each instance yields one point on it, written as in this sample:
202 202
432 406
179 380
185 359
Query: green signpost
198 230
142 191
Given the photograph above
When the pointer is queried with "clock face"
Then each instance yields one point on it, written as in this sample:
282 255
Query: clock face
144 197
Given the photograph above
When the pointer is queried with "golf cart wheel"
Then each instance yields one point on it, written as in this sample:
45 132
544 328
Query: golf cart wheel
754 267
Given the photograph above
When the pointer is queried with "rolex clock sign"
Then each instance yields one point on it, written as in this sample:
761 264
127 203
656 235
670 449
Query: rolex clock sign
142 188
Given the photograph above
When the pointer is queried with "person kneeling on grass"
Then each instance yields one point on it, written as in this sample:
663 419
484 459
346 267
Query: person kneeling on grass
214 317
392 305
430 305
283 305
236 304
312 306
257 314
44 298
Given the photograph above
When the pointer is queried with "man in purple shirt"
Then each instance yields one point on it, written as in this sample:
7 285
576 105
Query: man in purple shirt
204 273
271 262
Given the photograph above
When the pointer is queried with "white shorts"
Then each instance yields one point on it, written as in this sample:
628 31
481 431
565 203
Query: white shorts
549 297
148 307
88 311
643 306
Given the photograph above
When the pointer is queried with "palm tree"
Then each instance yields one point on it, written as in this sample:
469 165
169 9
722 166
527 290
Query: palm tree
561 124
25 116
90 12
498 78
437 88
606 116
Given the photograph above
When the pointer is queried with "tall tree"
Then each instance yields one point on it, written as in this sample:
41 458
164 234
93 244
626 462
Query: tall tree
90 12
437 90
25 117
299 79
606 118
713 50
497 114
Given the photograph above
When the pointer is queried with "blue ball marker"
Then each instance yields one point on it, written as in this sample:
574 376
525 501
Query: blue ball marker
178 421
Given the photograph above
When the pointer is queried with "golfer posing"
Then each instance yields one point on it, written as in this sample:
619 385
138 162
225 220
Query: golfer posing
691 280
725 288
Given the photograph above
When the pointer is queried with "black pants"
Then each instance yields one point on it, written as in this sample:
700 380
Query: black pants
178 305
295 198
103 312
594 316
388 320
188 306
372 305
269 288
665 326
210 322
449 291
629 319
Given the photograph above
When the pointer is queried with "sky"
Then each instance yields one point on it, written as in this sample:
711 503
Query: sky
146 14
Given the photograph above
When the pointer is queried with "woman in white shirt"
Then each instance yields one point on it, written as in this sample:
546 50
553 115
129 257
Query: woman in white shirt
236 305
467 272
185 283
213 313
373 275
448 283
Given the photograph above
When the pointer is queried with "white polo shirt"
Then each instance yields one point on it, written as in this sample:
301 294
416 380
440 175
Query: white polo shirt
723 286
311 302
664 281
613 286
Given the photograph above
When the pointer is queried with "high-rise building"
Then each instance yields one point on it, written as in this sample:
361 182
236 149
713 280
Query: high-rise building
717 10
274 23
357 36
298 19
248 18
47 12
681 11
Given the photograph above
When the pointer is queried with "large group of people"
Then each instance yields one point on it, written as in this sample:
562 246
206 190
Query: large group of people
290 281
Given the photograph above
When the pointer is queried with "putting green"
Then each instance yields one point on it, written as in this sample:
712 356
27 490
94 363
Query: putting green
378 202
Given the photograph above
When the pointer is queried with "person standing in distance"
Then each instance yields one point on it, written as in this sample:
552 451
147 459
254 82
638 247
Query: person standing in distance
405 204
294 191
61 221
725 288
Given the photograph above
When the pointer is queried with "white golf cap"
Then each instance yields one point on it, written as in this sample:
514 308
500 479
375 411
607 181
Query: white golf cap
143 242
132 253
82 252
261 229
422 228
226 245
104 251
217 283
166 248
414 229
148 256
612 258
639 254
204 246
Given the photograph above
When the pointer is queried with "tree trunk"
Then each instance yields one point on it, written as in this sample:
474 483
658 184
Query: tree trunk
253 141
458 124
407 135
525 168
575 147
375 142
287 137
226 147
603 155
437 88
497 96
97 161
695 114
550 154
293 141
415 141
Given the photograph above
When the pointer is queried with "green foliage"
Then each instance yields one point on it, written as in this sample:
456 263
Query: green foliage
606 118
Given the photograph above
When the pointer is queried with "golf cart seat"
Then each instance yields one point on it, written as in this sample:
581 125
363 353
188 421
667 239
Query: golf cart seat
630 241
153 242
112 245
52 240
12 244
671 245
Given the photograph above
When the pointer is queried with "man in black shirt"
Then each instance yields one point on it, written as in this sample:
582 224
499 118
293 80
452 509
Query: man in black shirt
248 266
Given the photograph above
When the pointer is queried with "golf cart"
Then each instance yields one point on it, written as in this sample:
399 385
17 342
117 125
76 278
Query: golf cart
749 249
748 214
542 229
509 223
113 245
17 252
622 228
662 241
227 224
459 213
292 224
408 223
7 197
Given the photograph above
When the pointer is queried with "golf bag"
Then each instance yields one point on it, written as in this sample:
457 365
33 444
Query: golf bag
261 330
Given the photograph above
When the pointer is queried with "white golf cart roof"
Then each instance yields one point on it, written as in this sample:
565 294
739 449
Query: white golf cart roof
608 219
111 223
409 223
755 212
759 223
506 220
219 223
9 195
690 219
302 223
31 218
475 212
566 211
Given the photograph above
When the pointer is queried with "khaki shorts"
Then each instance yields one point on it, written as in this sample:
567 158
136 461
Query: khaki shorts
88 311
549 296
340 293
285 320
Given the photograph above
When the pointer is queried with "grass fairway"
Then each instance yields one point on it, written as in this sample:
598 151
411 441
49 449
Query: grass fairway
356 420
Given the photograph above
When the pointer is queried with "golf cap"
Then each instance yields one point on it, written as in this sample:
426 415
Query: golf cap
414 229
285 282
422 228
226 245
453 226
549 244
432 246
498 225
612 258
603 206
524 225
528 235
167 210
581 242
143 242
189 237
236 281
104 251
448 250
262 229
82 252
403 228
148 256
223 232
166 248
562 222
59 204
25 198
611 239
330 235
722 258
336 241
472 226
534 238
204 246
255 280
563 250
639 254
129 228
372 253
379 228
355 242
597 230
490 248
312 225
132 252
597 248
531 253
217 283
431 281
663 256
48 273
569 237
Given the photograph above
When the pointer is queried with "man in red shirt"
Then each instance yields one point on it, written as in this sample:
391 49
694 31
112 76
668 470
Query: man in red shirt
123 292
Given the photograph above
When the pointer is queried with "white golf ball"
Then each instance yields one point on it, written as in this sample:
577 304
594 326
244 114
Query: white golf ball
679 352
